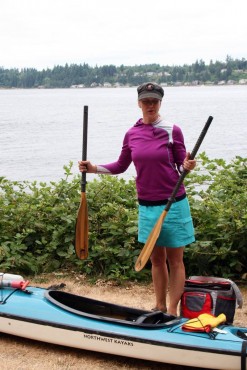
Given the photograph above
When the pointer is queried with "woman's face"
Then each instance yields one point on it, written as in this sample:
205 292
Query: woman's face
150 109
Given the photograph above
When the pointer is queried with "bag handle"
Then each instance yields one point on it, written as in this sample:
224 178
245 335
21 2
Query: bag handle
238 294
212 279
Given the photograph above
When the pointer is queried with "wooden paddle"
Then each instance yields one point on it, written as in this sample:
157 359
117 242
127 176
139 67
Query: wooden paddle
81 232
150 243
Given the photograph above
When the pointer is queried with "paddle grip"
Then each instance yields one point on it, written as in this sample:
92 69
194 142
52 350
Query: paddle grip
84 146
192 156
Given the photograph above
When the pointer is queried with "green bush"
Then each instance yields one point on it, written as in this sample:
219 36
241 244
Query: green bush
218 199
37 224
112 209
37 227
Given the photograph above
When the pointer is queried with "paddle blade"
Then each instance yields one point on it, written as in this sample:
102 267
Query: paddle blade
81 232
150 243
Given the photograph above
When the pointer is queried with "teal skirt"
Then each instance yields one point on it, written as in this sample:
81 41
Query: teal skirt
177 230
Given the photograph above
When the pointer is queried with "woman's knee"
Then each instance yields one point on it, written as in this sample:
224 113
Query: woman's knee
176 264
158 257
175 257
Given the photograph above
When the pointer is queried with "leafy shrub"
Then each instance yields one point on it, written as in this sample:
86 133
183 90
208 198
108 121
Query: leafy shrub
37 224
112 208
218 199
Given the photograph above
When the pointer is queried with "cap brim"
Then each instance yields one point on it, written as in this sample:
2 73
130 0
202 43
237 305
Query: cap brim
147 94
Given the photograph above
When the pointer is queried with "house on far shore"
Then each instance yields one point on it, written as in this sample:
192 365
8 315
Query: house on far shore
81 86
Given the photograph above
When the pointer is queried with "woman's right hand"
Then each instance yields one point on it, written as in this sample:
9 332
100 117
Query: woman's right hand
87 166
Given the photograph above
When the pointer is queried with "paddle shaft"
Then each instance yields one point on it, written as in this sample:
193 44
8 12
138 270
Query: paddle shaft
84 147
192 156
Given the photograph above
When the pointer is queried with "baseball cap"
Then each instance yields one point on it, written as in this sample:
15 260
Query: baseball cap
150 90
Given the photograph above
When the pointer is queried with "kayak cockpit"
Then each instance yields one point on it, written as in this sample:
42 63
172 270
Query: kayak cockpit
104 311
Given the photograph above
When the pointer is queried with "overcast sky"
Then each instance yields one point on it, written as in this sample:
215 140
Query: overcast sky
44 33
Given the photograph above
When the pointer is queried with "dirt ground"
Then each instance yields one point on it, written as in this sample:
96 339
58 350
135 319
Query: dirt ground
22 354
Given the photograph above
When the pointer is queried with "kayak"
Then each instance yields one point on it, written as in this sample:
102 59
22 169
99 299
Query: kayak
58 317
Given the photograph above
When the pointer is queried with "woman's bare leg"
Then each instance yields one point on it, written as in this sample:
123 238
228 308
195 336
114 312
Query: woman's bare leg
160 277
176 277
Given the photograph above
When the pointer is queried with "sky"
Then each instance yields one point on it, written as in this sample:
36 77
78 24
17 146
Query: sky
44 33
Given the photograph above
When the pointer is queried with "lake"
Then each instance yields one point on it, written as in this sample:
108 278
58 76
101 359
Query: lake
41 130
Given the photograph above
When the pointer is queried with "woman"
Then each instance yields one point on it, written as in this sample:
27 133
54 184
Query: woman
157 150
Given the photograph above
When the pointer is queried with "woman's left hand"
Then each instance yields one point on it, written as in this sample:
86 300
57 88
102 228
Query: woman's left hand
189 164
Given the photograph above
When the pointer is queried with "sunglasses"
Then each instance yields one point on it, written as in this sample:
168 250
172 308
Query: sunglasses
150 101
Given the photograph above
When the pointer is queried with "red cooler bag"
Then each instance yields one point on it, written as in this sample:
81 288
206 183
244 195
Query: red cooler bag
205 294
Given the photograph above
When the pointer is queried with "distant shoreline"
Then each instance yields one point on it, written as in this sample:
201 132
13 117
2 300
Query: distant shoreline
124 86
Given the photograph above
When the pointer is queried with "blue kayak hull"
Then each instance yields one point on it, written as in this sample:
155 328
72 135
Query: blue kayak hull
48 316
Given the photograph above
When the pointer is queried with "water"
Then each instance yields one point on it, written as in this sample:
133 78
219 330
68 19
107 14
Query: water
41 130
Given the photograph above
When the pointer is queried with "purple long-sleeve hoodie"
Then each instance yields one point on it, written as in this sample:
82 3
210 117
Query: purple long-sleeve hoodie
157 151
